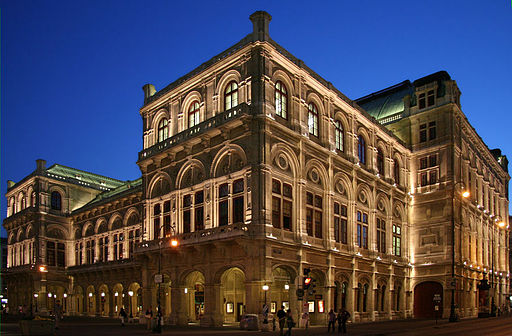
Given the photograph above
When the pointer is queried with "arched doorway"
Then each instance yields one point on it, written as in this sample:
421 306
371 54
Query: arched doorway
104 300
118 298
194 295
233 292
316 297
133 308
280 290
78 300
90 301
424 306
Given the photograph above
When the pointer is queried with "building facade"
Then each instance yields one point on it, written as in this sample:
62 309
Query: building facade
263 172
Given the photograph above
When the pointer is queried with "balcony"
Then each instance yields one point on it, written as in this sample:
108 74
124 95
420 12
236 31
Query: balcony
201 128
217 233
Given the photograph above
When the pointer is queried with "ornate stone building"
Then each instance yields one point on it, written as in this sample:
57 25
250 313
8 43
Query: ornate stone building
262 170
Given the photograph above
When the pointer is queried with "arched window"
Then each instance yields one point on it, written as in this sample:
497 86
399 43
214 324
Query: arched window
56 201
383 298
396 171
380 162
344 288
193 114
281 100
361 150
163 130
231 95
313 119
365 297
33 199
338 134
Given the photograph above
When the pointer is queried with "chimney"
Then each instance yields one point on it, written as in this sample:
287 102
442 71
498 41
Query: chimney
149 91
260 21
40 165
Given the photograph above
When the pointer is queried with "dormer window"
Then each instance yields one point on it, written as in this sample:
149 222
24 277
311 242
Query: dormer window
426 100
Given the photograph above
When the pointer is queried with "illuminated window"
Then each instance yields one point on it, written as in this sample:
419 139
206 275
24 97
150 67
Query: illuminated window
231 95
281 100
313 119
338 135
163 130
314 209
193 114
281 205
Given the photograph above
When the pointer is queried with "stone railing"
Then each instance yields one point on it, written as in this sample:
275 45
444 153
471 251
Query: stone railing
216 233
200 128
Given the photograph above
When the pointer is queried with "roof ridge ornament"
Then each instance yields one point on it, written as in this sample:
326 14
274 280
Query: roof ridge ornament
260 21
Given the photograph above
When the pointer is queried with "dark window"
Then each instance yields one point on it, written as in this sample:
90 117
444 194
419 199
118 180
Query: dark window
281 205
281 100
238 201
381 235
421 101
424 180
193 114
423 132
397 240
339 136
362 229
199 211
186 221
380 162
396 172
223 204
231 95
361 150
313 119
56 200
50 253
340 223
430 98
432 130
432 177
314 215
432 160
423 163
163 130
156 221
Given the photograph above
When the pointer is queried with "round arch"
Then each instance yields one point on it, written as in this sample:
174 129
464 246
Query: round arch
159 185
227 77
228 150
424 293
196 177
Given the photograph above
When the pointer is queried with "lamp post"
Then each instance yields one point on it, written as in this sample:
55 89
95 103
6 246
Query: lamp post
265 308
174 243
130 294
465 194
35 299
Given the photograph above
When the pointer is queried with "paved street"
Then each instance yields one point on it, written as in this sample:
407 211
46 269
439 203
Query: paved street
86 326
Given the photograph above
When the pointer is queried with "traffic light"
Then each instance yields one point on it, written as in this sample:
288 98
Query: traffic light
307 282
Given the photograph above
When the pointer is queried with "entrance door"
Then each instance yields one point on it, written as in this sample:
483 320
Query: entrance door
239 311
424 306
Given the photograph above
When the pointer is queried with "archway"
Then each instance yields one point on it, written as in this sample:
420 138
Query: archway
78 299
104 300
133 305
280 290
55 295
118 298
424 305
90 301
194 295
233 294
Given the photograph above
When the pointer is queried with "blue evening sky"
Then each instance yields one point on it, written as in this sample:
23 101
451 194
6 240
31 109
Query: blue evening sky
72 71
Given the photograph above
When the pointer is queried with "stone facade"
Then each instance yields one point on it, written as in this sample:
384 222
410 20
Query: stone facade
261 170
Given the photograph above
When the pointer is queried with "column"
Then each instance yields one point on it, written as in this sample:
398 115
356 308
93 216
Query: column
111 303
213 313
178 300
254 298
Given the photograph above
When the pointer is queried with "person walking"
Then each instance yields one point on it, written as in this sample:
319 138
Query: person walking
149 317
342 318
289 322
122 315
332 321
281 316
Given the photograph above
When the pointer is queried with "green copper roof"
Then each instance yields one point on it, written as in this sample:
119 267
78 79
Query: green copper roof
387 105
83 177
128 185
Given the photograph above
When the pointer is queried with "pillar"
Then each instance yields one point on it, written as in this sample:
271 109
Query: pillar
111 301
213 313
178 300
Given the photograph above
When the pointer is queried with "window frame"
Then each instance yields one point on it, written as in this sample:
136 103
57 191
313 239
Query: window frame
313 120
281 95
339 136
162 129
361 149
231 95
194 114
314 215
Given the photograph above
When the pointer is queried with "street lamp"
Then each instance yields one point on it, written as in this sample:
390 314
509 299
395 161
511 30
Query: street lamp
35 299
465 194
265 309
130 293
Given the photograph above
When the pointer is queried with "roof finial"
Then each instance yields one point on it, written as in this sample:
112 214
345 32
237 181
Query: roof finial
260 21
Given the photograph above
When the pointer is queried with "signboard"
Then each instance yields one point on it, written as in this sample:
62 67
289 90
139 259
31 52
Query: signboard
436 307
321 306
159 278
305 307
437 297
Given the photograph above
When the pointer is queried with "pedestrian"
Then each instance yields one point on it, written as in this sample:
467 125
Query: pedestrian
342 318
273 322
289 322
149 317
281 316
332 321
57 311
122 316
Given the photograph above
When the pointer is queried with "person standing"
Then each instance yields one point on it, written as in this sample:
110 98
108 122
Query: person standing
342 318
149 317
281 316
57 311
122 315
332 321
289 322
